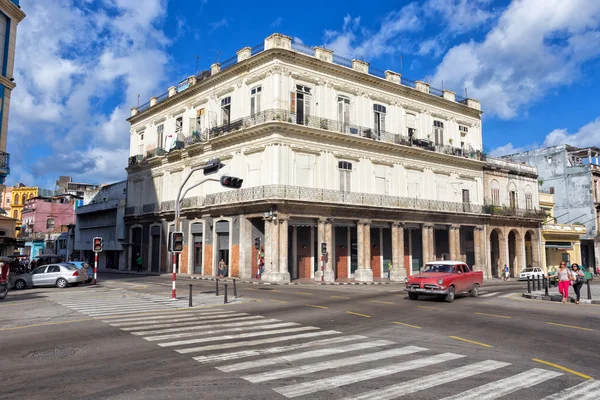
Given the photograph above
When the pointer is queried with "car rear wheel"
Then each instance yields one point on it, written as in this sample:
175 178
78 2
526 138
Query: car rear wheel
413 296
475 290
20 284
62 283
451 294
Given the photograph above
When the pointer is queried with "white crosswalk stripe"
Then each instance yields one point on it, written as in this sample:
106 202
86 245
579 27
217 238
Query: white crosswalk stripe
489 294
219 331
588 390
318 385
185 319
416 385
195 321
254 320
502 387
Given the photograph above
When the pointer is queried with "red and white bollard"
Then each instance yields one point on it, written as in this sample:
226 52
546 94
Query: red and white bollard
173 296
95 268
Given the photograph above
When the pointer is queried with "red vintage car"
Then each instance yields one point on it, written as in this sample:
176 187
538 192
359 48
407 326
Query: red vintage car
444 279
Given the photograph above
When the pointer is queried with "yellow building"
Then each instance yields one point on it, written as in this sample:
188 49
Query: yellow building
20 194
561 242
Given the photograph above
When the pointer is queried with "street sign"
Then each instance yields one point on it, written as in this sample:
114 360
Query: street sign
97 244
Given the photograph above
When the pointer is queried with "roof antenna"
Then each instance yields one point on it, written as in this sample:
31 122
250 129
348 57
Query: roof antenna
197 57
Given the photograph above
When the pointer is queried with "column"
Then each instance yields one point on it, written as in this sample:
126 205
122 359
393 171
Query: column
544 264
320 239
398 272
521 254
329 273
268 244
283 248
478 249
294 252
454 236
246 244
364 273
427 238
276 244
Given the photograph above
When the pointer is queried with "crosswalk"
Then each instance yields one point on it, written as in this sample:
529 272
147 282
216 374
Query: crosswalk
296 360
498 294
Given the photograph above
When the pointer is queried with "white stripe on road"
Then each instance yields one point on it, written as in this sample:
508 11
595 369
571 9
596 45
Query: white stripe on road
313 386
240 336
427 382
151 321
508 295
110 312
489 294
302 356
147 317
197 322
275 350
494 390
219 331
98 310
257 320
254 342
588 390
112 303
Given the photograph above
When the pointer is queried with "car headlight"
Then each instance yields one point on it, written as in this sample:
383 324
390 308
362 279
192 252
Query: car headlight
440 281
406 279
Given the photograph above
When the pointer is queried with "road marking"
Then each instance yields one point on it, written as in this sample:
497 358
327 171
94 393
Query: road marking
341 297
154 317
20 303
429 308
333 364
508 295
493 315
502 387
360 315
409 325
354 377
254 342
275 350
225 329
380 302
256 320
145 313
569 326
240 336
470 341
309 294
562 368
278 301
12 328
184 319
588 390
427 382
315 306
489 294
303 356
167 324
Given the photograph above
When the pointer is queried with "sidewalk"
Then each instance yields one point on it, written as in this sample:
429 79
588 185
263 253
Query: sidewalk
554 295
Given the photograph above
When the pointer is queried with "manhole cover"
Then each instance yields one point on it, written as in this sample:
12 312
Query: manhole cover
49 354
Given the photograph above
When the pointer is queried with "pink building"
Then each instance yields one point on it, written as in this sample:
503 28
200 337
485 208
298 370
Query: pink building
43 216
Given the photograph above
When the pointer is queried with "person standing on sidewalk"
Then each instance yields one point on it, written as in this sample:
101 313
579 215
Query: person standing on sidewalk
506 273
579 277
564 281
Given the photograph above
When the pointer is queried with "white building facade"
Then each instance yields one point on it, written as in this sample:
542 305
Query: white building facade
387 172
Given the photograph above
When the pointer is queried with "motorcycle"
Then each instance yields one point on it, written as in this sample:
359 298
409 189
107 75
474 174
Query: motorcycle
3 290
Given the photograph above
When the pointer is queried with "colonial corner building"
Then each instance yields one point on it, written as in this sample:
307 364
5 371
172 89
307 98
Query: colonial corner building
388 173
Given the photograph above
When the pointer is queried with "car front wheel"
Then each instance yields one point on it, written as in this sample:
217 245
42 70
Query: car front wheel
450 295
62 283
413 296
20 284
475 290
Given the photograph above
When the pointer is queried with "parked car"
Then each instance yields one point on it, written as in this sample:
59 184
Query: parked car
85 268
533 272
60 275
444 279
20 281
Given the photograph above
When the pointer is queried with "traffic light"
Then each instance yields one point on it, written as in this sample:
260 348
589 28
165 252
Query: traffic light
257 243
323 248
176 242
97 244
213 166
231 182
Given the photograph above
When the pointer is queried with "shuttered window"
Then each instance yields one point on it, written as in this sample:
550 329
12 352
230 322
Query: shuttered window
345 169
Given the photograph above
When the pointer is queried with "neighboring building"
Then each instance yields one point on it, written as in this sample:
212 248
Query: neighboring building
561 242
6 200
10 16
102 215
379 168
65 185
20 195
573 175
43 221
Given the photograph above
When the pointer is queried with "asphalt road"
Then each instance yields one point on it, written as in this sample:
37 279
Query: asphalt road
126 340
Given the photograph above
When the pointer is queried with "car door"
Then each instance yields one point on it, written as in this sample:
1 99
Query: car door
52 274
459 281
38 276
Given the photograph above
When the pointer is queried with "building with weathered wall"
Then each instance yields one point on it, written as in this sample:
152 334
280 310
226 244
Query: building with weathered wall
572 175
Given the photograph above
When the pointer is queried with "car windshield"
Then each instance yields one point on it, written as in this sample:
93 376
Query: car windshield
440 268
528 270
70 266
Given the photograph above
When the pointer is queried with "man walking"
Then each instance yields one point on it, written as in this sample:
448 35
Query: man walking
506 273
138 261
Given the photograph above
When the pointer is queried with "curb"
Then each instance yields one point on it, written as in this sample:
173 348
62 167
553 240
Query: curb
297 283
557 298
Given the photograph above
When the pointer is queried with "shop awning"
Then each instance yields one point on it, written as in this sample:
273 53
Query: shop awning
559 245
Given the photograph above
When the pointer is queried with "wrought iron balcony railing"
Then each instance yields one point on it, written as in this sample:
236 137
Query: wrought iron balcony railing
4 160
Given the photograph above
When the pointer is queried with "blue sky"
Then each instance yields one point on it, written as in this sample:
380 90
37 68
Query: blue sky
80 64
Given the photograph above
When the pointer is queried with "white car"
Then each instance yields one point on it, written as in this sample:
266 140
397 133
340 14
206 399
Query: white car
531 272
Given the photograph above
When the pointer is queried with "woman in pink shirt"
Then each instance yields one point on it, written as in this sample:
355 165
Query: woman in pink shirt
564 281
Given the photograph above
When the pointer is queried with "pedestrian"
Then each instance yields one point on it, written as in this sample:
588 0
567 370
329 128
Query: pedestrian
139 261
222 268
578 280
564 281
506 273
389 269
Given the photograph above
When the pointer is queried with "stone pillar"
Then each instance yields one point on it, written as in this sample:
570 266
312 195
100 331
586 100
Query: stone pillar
215 68
449 95
521 255
427 237
172 91
454 237
283 249
268 245
320 239
273 241
422 86
246 244
329 273
153 101
244 54
398 272
364 273
478 245
544 264
294 252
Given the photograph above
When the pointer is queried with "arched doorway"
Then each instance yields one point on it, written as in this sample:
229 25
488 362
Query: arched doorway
512 252
495 253
136 248
529 250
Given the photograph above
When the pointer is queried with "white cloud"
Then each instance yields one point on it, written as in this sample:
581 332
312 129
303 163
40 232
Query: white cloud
536 46
277 22
508 148
222 23
460 16
70 62
587 136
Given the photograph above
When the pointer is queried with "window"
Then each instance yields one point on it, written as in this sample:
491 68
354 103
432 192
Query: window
23 199
345 168
463 130
379 119
552 190
226 111
381 179
15 214
300 104
141 144
52 268
255 95
528 201
411 124
4 32
7 200
495 196
343 112
16 200
62 244
50 223
438 132
178 126
513 199
465 196
160 135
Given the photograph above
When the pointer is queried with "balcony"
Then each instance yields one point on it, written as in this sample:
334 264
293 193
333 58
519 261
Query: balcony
4 165
507 211
281 115
310 195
